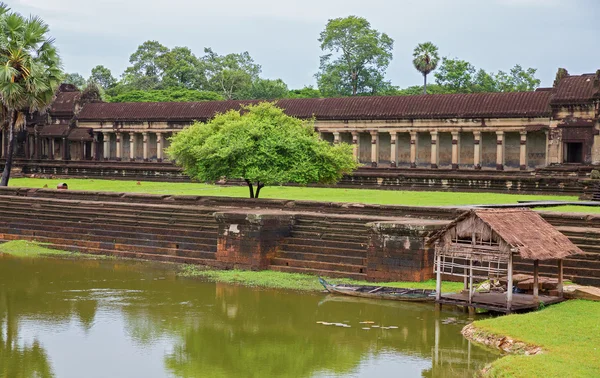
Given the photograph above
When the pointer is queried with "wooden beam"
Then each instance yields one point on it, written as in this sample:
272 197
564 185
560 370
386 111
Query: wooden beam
509 289
536 284
438 277
560 286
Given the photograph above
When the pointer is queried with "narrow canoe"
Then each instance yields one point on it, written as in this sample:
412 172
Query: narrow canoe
380 292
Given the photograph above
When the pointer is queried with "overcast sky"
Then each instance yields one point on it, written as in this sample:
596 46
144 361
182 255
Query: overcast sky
281 35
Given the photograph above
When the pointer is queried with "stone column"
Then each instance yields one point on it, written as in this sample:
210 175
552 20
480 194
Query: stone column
455 139
119 150
434 149
106 149
65 148
145 141
336 137
132 146
393 149
95 146
52 147
477 149
159 148
82 152
355 145
36 144
499 150
413 149
374 145
523 151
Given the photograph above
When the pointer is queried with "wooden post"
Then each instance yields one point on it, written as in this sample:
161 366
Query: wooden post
560 285
471 280
536 272
509 293
438 277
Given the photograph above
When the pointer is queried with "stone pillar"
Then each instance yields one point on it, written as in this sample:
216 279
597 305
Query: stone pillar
106 149
65 148
82 152
336 137
477 149
132 146
393 149
398 250
374 148
95 146
434 149
145 145
52 147
355 145
159 148
118 146
249 239
413 149
455 139
37 153
500 150
523 151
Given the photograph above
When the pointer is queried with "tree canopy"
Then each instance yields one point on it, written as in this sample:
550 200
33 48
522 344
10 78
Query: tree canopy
166 95
261 145
30 72
356 60
103 77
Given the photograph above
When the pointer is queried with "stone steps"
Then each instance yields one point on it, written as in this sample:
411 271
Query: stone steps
336 244
317 235
318 265
319 272
321 257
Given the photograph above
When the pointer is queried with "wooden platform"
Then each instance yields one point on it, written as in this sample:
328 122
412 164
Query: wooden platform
497 301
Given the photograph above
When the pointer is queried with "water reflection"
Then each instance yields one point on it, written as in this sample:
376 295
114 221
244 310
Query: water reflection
115 318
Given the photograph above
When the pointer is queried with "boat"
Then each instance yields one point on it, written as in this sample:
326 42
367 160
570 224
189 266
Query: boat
380 292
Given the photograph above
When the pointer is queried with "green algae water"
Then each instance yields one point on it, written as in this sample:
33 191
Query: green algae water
113 318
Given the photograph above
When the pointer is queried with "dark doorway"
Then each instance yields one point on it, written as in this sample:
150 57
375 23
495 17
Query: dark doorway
574 152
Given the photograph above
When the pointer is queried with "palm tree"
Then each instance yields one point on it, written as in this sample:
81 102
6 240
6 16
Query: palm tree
425 60
30 73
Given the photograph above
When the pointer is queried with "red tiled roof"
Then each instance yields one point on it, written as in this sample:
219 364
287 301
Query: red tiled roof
576 89
479 105
64 104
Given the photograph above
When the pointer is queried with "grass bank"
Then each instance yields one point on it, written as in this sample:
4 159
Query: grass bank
297 281
371 196
23 248
573 209
568 333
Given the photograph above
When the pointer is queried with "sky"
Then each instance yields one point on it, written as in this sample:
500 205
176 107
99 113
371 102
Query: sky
282 35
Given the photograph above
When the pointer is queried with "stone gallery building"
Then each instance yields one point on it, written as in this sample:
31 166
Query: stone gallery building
497 131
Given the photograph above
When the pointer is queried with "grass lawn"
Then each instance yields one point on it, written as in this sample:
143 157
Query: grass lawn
569 334
23 248
372 196
573 209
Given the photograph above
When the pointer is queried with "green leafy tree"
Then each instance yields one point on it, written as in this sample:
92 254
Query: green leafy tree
306 92
267 89
30 73
357 58
517 80
75 79
483 81
167 95
145 71
425 60
417 90
103 77
230 75
456 75
181 68
261 145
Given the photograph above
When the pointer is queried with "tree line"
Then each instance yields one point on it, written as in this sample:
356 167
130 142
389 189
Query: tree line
354 63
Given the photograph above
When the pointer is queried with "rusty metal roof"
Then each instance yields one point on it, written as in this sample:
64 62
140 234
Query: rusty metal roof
576 89
478 105
64 104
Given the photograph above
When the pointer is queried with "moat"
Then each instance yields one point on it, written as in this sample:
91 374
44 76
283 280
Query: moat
114 318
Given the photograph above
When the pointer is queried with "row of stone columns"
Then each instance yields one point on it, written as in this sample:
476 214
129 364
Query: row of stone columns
132 146
435 148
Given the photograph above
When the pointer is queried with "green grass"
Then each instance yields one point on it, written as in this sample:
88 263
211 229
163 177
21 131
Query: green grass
371 196
573 209
569 334
296 281
23 248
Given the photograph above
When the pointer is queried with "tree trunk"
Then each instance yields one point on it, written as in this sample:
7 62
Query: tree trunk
251 188
424 84
259 186
11 148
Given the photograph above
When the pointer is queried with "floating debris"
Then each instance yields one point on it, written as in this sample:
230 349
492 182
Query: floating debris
374 326
367 322
449 321
392 327
366 328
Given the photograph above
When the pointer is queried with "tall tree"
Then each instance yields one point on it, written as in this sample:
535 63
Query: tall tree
181 68
30 72
306 92
103 77
357 57
517 80
75 79
456 75
230 75
425 60
261 145
267 89
145 71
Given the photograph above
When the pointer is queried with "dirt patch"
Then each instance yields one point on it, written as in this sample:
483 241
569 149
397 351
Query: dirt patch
503 343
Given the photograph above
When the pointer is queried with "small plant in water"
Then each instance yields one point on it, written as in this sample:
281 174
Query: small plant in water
541 306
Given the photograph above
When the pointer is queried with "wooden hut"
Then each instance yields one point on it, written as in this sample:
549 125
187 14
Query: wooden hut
481 244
